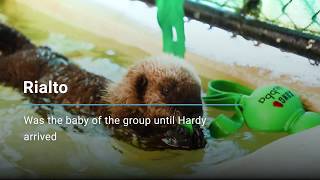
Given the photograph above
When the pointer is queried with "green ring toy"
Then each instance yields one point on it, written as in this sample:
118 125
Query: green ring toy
272 108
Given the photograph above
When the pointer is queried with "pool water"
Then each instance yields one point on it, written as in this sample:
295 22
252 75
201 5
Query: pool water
92 153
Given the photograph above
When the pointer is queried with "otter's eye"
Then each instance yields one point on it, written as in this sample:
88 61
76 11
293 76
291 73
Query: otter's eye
165 91
168 86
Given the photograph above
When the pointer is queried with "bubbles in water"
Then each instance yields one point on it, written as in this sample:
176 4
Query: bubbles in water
62 44
102 66
220 151
247 136
110 52
3 18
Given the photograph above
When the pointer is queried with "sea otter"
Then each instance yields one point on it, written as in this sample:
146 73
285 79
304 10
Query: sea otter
158 80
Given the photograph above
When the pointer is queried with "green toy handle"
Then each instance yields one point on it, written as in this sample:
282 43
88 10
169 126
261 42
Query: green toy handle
223 99
226 92
170 18
223 126
227 87
306 121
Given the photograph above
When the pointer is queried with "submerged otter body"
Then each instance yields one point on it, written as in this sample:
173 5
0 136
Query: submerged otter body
163 80
43 65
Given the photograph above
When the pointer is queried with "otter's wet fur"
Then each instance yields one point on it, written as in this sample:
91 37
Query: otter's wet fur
157 80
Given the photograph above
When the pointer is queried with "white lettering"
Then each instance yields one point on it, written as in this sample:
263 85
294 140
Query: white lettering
27 86
51 87
199 120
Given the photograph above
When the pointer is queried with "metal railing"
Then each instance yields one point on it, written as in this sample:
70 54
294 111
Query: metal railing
291 25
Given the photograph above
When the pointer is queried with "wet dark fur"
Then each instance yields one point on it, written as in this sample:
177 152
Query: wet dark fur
20 60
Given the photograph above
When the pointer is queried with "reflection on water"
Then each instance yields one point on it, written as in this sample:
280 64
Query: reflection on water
92 152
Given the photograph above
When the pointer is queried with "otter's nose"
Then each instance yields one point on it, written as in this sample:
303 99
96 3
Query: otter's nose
191 111
194 108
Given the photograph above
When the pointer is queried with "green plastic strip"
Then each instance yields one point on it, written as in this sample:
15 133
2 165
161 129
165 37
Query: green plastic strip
226 92
170 18
188 127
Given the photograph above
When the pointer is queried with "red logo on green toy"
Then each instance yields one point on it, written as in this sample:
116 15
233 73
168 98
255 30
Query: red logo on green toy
277 104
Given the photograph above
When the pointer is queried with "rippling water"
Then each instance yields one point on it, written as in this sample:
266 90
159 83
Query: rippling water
92 152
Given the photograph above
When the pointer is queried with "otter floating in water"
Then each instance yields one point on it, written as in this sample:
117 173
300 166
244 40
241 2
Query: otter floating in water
160 80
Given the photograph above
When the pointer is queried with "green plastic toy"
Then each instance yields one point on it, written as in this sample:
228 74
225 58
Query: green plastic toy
170 18
272 108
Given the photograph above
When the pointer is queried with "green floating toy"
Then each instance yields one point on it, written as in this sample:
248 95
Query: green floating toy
272 108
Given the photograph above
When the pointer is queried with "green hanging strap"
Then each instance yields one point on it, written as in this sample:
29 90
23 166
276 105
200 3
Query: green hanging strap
170 18
226 92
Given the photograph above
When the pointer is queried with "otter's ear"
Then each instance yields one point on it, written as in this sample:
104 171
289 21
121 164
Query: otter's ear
141 86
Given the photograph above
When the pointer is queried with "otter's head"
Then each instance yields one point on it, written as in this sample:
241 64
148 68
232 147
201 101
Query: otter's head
158 81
